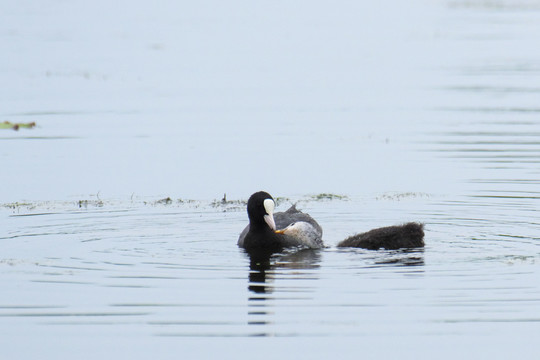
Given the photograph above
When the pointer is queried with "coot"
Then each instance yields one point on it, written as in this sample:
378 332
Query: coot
262 232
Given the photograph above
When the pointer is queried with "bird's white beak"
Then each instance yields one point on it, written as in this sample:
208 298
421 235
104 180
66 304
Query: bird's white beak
270 221
269 206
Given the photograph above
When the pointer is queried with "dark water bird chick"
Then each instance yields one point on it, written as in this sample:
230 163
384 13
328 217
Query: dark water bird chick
410 235
262 232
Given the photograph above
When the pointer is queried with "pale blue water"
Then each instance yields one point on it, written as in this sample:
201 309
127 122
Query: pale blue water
414 112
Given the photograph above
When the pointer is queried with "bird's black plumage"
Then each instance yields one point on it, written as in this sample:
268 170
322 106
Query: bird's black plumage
410 235
259 235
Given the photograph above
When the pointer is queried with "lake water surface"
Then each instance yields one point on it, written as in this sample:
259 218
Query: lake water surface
116 241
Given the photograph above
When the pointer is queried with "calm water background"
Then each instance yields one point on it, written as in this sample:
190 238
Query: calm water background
421 110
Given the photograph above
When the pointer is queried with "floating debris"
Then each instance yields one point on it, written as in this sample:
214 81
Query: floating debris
16 126
222 204
280 200
228 205
86 203
186 201
166 201
18 205
327 196
401 196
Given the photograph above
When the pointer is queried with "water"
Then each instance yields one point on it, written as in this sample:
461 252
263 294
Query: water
414 112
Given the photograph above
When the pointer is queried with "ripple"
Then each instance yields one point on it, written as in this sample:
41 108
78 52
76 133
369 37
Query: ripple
72 314
491 109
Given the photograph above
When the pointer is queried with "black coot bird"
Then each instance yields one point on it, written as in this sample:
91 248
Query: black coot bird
297 229
410 235
262 232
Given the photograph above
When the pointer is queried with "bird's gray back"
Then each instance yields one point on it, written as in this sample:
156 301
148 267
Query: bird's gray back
292 215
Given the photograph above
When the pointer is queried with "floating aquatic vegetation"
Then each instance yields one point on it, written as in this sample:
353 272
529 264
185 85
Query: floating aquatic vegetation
86 203
18 205
328 196
186 201
222 204
401 196
165 201
280 200
228 205
16 126
168 201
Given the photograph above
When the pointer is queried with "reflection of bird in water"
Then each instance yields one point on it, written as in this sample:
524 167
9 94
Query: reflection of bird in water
401 257
262 264
297 229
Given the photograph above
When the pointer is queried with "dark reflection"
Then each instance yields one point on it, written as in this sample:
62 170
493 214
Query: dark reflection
259 263
262 274
263 263
412 258
403 257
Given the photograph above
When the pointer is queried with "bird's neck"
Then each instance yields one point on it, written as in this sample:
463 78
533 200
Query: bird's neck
259 226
